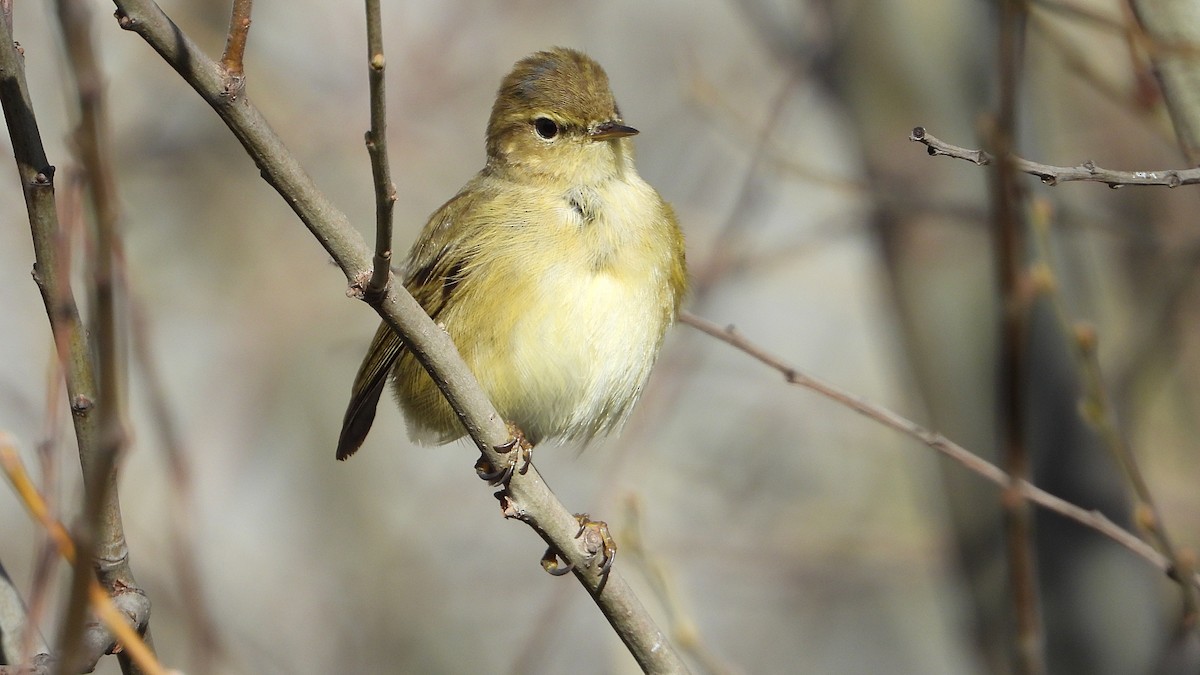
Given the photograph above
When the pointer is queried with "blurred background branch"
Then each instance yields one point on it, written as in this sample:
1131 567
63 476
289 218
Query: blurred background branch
92 380
113 611
108 552
1009 237
1172 37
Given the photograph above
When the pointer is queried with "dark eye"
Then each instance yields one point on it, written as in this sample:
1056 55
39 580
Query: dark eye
546 128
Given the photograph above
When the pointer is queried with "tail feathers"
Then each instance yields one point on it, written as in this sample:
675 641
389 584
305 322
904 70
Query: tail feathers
357 423
368 386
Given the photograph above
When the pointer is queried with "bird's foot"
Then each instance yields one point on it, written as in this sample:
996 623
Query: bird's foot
597 541
522 458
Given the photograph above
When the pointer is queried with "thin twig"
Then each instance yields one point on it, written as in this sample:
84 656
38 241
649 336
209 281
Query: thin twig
1052 175
44 572
93 148
1148 516
385 190
110 556
527 497
1098 410
106 607
232 61
1093 520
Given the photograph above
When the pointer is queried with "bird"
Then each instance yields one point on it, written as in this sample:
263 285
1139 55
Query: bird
556 271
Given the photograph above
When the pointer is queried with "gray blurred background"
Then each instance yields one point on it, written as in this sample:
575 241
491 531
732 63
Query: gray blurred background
797 536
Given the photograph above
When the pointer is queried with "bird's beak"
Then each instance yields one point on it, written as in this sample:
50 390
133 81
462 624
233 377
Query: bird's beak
606 131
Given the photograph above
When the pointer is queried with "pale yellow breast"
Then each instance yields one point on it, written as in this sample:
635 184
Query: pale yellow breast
573 334
586 354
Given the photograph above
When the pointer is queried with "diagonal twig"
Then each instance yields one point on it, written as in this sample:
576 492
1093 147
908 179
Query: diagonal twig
1091 519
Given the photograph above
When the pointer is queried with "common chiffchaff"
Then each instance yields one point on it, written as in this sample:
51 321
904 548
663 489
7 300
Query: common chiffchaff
556 270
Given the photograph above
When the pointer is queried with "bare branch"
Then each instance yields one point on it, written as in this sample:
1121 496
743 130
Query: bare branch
1093 520
385 190
1052 175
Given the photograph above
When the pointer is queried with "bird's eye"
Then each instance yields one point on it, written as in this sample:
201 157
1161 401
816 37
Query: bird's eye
546 128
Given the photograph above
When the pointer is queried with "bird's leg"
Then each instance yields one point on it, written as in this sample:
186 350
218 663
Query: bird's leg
501 476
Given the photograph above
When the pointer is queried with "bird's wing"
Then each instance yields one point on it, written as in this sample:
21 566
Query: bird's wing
432 272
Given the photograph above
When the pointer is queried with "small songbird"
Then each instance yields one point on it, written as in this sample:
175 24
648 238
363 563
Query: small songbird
556 270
